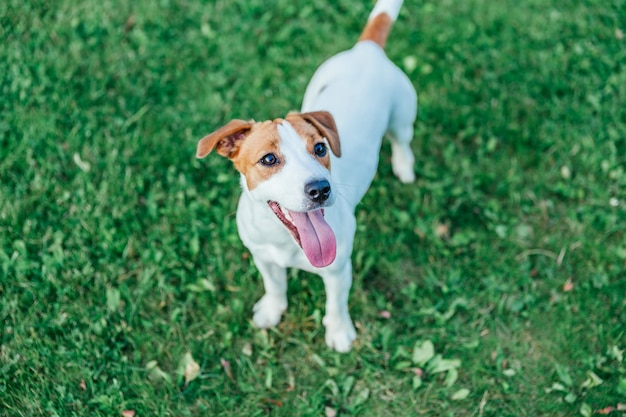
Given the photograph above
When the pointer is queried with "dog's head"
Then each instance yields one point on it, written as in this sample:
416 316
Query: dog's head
286 164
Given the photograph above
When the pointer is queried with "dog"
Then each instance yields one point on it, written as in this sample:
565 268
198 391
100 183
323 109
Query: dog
303 175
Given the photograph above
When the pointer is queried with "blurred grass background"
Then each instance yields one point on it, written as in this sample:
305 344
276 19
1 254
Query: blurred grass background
119 252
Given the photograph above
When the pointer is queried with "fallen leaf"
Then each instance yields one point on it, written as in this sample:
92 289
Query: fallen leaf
273 402
616 353
592 380
227 370
460 394
442 231
423 352
557 386
191 368
385 314
585 410
330 412
128 413
247 349
155 372
82 385
568 286
564 374
605 410
362 396
442 365
130 23
417 381
451 377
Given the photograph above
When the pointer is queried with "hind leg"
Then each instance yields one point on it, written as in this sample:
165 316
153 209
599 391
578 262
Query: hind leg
401 131
402 159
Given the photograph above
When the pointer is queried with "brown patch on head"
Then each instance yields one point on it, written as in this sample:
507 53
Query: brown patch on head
377 29
263 140
313 131
246 144
310 135
252 145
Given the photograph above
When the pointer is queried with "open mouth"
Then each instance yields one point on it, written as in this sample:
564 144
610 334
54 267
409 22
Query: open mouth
311 231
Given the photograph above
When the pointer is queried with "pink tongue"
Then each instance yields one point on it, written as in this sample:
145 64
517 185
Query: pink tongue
316 236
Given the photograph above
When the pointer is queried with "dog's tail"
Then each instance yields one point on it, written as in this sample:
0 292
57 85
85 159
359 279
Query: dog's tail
381 19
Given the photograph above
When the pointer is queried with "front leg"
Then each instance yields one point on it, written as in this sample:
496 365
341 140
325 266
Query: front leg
269 309
340 332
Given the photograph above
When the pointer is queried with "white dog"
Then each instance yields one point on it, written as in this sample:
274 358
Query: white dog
299 196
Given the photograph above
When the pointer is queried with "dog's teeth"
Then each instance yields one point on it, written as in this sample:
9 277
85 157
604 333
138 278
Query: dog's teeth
286 214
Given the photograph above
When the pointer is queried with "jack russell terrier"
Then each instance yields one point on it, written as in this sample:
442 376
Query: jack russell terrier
303 175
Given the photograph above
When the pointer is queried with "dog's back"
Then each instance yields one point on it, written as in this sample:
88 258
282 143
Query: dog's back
368 96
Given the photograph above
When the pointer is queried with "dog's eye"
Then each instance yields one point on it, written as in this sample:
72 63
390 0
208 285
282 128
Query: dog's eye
269 160
320 149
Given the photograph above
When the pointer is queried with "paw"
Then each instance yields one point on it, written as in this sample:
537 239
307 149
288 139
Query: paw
340 334
405 176
268 311
402 161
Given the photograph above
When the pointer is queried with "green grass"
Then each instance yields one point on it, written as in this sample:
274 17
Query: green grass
119 252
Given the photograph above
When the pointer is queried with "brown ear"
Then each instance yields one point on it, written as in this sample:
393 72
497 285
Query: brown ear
226 139
325 124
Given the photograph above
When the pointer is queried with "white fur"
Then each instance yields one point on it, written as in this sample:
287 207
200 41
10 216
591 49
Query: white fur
391 7
368 97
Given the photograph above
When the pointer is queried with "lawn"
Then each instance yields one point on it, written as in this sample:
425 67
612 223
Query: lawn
495 285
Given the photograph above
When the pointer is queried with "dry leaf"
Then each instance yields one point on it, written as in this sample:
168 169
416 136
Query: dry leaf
130 23
605 410
247 349
156 373
192 369
82 385
442 231
568 286
128 413
226 366
330 412
272 401
385 314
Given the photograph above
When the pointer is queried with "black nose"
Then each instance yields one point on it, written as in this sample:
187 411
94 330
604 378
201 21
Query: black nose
318 190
